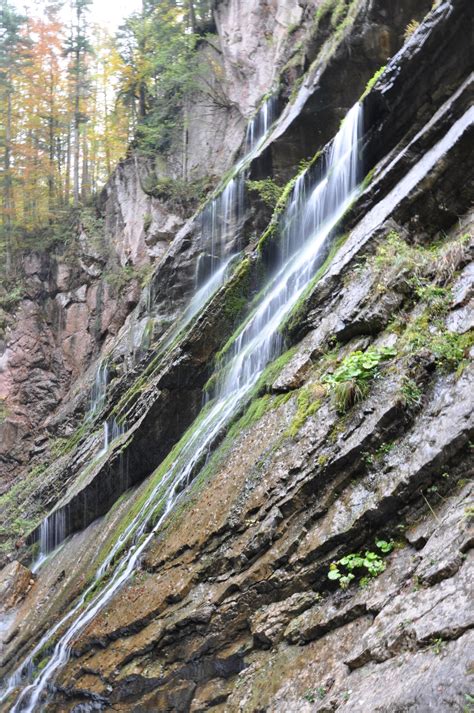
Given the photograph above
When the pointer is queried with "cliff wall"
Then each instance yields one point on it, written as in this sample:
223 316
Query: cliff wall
316 556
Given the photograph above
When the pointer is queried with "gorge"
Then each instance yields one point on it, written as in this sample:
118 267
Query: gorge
236 437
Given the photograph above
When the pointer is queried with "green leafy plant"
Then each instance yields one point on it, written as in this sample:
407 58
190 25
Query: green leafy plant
366 566
411 393
438 645
350 382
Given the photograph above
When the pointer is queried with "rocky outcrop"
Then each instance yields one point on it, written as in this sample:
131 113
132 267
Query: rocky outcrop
15 583
246 597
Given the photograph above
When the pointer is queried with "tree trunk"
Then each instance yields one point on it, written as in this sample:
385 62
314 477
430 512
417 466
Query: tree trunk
191 16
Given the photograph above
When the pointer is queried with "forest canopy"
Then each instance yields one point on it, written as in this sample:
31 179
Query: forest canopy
74 98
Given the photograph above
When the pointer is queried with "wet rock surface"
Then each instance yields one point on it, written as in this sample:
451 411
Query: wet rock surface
15 583
230 607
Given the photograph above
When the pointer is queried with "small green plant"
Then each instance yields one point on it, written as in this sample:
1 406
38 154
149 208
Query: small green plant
12 297
469 707
384 449
321 692
469 512
351 380
411 393
438 645
450 349
365 566
371 459
309 696
437 298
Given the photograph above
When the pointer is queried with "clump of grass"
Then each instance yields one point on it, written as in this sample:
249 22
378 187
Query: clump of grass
350 382
410 29
412 395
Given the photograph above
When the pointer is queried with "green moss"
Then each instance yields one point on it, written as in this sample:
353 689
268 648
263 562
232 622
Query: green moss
3 410
373 81
182 196
62 446
275 368
368 179
268 191
272 230
410 29
120 277
147 221
308 401
236 293
12 296
256 410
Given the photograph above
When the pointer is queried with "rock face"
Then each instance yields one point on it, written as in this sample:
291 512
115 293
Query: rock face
15 583
319 555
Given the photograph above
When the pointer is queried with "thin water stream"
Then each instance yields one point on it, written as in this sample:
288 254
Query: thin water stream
220 221
311 217
222 216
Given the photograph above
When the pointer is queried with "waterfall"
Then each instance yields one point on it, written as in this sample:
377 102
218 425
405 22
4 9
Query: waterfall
52 534
306 227
111 430
260 124
219 223
221 218
99 391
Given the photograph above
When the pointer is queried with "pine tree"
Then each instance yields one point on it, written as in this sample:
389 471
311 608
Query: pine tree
78 48
13 55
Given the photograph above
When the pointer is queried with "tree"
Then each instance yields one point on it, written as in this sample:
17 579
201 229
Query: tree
157 49
78 48
13 55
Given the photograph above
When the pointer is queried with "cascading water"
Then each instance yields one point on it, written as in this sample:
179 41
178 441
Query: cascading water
221 218
99 390
260 124
306 227
52 534
111 431
53 529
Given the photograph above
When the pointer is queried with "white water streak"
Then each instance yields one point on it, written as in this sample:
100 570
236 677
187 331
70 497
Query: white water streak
307 224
